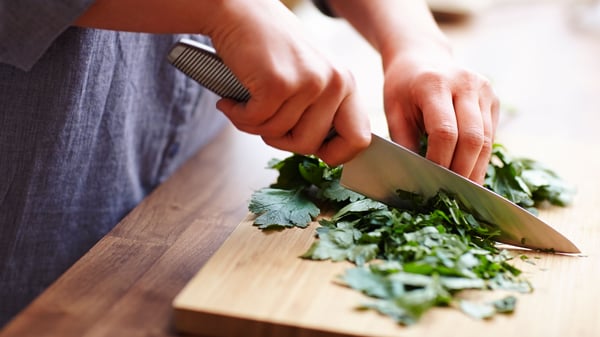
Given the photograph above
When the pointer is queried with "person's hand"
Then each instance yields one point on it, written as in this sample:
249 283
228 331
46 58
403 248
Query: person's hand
427 93
297 94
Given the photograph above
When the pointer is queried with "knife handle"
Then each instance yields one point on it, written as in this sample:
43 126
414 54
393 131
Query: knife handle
201 63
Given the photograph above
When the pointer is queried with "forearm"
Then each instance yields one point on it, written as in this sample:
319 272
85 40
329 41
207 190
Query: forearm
208 17
152 16
393 26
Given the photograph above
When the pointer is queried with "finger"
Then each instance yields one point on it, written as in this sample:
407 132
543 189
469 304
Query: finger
314 123
490 111
404 128
307 135
495 111
307 91
246 113
480 169
353 133
471 133
441 127
284 120
259 109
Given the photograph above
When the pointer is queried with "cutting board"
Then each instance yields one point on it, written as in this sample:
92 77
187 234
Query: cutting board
256 285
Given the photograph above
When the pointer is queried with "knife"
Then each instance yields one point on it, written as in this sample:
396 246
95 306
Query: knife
386 167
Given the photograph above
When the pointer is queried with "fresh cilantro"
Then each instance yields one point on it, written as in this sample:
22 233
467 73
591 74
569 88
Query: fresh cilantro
282 208
525 181
410 296
290 174
505 305
332 190
339 244
487 310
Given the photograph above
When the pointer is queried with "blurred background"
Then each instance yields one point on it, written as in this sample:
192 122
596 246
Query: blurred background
542 56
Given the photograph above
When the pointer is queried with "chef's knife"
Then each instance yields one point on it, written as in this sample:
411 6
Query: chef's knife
386 167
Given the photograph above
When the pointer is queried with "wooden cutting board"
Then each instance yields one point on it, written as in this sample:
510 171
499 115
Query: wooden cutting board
256 284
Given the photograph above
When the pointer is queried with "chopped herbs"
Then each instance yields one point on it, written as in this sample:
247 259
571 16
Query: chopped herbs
525 181
488 310
411 259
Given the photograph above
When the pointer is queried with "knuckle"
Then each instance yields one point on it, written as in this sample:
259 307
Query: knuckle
342 80
488 144
315 86
428 80
486 84
444 133
472 139
278 87
277 82
470 81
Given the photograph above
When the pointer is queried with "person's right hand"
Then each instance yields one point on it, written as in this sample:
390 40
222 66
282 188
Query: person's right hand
297 94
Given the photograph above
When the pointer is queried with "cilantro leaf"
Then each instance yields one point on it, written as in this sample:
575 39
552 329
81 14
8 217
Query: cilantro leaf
487 310
282 208
332 190
505 305
525 181
406 307
545 184
339 244
289 173
477 310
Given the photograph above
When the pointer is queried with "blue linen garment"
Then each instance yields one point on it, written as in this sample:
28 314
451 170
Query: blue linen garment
90 122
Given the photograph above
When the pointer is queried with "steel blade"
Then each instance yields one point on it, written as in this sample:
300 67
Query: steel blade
385 167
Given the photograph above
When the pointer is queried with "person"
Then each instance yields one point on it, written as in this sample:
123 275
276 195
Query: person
92 118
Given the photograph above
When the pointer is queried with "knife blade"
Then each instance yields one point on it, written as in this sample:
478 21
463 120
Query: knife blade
385 167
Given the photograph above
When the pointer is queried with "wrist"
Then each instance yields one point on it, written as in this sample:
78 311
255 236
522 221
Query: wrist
420 47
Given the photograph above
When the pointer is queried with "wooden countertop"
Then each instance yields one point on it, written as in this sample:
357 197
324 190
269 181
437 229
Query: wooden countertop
542 64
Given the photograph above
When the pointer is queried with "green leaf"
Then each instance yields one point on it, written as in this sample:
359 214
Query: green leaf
487 310
526 181
282 208
363 205
332 190
339 244
289 174
391 309
505 305
477 310
546 185
403 296
372 284
312 170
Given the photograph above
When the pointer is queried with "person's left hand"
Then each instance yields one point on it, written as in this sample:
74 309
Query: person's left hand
428 93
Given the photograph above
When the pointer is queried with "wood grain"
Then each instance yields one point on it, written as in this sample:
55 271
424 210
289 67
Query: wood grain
256 284
130 277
